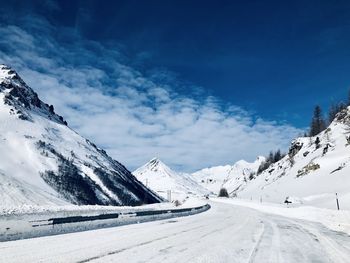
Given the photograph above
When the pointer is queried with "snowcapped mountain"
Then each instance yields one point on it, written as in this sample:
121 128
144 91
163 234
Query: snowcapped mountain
160 178
314 170
232 177
44 162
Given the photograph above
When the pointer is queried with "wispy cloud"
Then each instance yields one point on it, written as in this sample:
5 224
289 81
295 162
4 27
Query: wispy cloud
133 116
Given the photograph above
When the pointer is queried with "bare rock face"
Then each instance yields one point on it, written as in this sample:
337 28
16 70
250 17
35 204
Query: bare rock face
22 98
343 116
308 168
294 148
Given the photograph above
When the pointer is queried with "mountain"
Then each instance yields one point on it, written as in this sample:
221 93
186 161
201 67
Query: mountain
160 178
231 177
315 169
44 162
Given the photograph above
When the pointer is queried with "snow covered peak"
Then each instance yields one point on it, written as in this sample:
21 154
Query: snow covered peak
23 99
241 163
155 163
154 159
160 178
154 166
9 76
5 72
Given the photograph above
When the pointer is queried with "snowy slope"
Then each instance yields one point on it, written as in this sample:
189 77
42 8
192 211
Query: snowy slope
232 177
160 178
310 174
44 162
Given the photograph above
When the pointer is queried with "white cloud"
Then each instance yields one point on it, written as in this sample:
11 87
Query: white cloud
132 116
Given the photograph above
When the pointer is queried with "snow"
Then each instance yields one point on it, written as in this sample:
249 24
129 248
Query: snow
225 233
19 160
89 172
300 182
212 178
311 176
231 177
333 219
5 73
161 179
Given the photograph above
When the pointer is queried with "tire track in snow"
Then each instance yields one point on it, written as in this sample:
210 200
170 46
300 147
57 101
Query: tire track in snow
282 240
137 245
257 244
336 251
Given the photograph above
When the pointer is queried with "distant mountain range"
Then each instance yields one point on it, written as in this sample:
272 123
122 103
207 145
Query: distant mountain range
232 177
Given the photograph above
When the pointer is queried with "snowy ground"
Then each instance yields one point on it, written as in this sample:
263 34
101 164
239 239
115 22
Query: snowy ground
333 219
225 233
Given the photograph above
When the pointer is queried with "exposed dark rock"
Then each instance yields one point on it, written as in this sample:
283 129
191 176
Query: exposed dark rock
294 148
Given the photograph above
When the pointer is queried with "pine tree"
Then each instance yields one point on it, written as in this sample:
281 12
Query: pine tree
332 112
223 193
317 142
51 109
273 157
334 109
278 156
317 123
270 158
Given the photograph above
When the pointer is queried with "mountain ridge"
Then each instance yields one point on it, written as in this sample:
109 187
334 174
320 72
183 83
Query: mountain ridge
227 176
46 162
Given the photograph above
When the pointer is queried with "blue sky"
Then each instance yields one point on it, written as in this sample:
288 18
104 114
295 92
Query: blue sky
197 83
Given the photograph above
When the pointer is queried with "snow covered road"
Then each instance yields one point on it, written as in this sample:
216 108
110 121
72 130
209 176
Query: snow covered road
225 233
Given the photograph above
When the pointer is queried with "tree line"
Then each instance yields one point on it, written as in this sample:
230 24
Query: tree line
273 157
319 122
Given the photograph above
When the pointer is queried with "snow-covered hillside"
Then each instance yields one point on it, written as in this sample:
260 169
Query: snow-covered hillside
232 177
312 173
161 179
44 162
